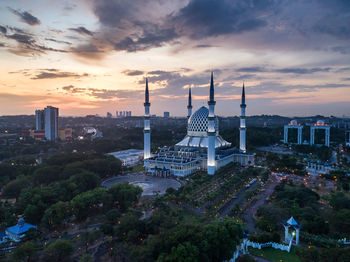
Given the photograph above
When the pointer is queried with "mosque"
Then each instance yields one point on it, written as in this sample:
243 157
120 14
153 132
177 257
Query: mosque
202 148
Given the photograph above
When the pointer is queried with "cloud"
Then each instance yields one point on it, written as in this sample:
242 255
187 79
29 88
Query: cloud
141 25
287 70
88 50
3 29
148 39
23 39
303 70
205 18
341 49
26 17
58 41
203 46
253 69
27 44
82 30
103 94
133 72
54 73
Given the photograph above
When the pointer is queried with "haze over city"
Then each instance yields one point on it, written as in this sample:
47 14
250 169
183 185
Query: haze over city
90 57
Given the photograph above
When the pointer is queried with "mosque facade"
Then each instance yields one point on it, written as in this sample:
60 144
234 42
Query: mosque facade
202 148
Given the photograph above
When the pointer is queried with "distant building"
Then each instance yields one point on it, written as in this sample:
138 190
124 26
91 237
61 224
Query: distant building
65 134
109 115
39 120
315 168
166 114
129 157
121 114
17 232
51 123
37 134
91 132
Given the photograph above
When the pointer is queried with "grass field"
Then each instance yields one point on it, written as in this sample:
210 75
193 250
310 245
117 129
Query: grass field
138 168
275 254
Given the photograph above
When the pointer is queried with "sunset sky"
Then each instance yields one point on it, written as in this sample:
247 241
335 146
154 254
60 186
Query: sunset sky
92 56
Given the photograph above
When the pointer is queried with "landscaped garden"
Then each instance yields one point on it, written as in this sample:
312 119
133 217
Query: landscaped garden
275 255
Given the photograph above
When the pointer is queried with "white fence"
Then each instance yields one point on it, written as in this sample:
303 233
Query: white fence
243 248
270 244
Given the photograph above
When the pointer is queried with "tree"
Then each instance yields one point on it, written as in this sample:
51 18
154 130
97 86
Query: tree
86 258
185 252
14 188
245 258
341 220
113 215
221 239
46 175
25 251
124 195
308 254
33 213
85 181
58 251
93 200
56 214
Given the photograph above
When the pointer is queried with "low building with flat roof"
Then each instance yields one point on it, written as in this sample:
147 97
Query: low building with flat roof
129 157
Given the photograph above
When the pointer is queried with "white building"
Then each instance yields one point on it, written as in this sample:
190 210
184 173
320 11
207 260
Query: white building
51 123
129 157
201 149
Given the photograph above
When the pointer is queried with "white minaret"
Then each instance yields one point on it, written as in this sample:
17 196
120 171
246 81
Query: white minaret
211 130
147 127
189 105
242 127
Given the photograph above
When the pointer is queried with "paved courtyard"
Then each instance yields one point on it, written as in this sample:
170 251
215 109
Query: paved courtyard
149 184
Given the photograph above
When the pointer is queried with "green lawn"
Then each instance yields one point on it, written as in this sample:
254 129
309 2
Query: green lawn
275 254
138 168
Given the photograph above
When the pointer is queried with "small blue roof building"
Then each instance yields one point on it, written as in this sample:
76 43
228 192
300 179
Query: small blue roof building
19 231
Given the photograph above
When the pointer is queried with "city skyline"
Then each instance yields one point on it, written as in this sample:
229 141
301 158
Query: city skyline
92 57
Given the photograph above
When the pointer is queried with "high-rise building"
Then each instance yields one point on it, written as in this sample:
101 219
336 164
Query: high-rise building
39 120
109 115
51 123
166 114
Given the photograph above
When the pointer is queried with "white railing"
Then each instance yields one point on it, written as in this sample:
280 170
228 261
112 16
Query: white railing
243 248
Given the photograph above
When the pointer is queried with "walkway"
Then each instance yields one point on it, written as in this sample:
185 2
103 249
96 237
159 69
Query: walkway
250 212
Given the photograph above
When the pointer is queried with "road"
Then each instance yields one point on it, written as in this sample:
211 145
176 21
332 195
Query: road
250 212
333 159
225 210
